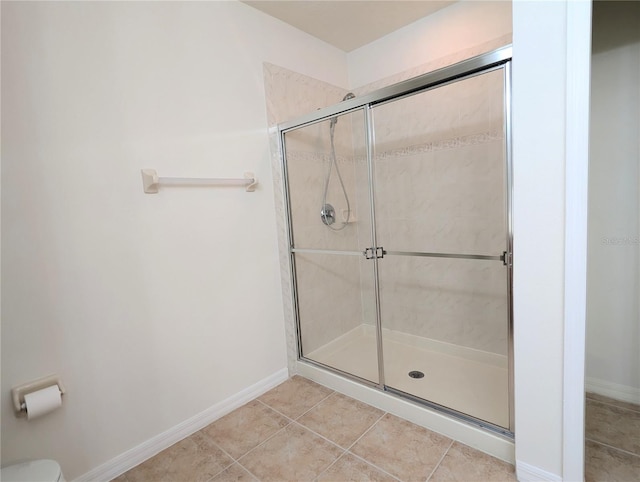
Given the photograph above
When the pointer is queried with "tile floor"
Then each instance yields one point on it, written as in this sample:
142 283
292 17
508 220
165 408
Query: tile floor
302 431
612 440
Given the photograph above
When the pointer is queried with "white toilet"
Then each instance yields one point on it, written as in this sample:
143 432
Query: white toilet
33 471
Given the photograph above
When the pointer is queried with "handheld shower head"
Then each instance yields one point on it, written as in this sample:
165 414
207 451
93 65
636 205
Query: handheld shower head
334 120
328 213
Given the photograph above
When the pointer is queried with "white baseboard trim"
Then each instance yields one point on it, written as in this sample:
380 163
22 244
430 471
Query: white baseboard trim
129 459
616 391
528 473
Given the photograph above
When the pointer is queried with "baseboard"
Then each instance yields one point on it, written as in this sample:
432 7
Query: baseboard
529 473
129 459
616 391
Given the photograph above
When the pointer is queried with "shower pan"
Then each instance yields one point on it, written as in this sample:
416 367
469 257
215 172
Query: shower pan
399 231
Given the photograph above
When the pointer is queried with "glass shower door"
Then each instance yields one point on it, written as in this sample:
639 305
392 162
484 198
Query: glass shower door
441 210
329 204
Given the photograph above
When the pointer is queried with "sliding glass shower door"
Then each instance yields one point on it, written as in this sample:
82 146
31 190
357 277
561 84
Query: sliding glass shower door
329 204
399 239
441 215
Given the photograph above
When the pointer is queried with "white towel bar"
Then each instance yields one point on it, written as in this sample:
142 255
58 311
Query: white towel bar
151 181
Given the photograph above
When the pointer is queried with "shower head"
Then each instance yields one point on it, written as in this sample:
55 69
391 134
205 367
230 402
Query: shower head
334 120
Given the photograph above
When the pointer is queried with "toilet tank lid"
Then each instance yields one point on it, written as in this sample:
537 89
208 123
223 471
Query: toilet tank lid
33 471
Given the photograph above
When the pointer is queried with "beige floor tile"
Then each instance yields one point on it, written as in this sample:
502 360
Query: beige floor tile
604 464
404 450
464 464
293 454
152 469
245 428
613 401
194 459
352 469
341 419
613 426
235 473
295 396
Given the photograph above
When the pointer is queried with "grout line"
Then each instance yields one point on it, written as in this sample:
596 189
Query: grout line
362 458
290 421
344 451
283 428
330 465
613 447
303 413
249 472
225 468
239 461
216 474
277 411
262 443
373 465
367 431
325 398
222 450
347 451
321 436
440 461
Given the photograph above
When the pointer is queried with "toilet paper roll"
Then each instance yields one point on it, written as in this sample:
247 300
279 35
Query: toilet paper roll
42 401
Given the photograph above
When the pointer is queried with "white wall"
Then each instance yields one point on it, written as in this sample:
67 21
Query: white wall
538 149
458 27
613 316
542 109
152 308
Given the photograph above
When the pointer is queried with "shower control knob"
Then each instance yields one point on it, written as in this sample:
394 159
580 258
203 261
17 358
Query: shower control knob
328 214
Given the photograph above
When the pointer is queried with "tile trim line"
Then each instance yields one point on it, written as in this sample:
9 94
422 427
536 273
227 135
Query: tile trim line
529 473
138 454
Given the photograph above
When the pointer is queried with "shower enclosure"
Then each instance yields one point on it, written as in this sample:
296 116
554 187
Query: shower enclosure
399 225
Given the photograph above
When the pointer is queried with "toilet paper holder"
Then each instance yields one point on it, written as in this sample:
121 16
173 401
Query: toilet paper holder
18 393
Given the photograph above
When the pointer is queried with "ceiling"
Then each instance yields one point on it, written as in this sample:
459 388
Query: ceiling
348 24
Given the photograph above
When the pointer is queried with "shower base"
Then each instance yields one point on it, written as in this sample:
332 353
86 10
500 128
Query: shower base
470 381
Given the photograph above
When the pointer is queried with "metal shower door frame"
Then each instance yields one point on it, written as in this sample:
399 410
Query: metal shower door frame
498 59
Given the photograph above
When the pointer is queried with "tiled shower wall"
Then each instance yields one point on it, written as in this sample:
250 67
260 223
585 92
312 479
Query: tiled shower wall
328 287
432 150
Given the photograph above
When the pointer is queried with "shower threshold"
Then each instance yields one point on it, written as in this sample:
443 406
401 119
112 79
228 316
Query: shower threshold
466 380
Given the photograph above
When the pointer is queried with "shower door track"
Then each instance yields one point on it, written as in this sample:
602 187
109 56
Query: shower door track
467 68
498 59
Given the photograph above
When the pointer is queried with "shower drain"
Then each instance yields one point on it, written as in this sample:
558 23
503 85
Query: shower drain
416 374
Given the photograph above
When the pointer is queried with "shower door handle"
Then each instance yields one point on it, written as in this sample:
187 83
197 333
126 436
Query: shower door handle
371 253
